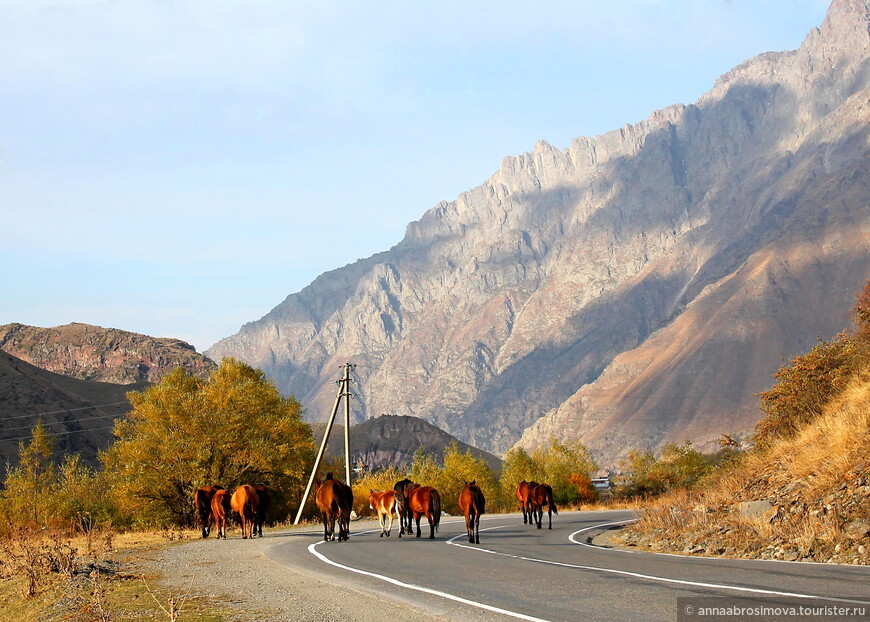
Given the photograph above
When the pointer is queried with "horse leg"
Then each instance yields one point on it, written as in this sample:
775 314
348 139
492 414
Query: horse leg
550 516
477 527
431 518
417 518
332 518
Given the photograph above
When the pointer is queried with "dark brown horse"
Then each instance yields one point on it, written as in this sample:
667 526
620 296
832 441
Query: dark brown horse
384 503
425 501
542 495
472 504
245 501
335 502
264 501
202 500
220 510
405 519
522 494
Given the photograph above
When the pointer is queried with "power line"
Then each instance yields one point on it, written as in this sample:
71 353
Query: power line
55 423
68 432
68 410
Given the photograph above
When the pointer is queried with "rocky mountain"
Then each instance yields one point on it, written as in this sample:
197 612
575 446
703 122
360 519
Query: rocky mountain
79 414
102 354
635 288
391 440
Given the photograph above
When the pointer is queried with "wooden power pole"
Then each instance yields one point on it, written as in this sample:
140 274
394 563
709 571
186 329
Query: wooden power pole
343 391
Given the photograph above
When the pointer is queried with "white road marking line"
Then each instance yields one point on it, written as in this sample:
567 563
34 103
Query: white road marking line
695 557
419 588
654 578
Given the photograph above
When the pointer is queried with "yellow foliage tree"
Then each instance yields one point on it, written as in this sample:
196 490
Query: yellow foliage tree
517 466
185 432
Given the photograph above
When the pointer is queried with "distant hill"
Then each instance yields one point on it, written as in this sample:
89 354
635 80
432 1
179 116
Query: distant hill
78 413
90 352
391 440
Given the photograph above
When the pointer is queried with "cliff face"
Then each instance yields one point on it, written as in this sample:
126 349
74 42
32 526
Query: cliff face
102 354
634 288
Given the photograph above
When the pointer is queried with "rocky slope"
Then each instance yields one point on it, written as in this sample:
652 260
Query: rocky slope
79 414
635 288
391 440
110 355
805 498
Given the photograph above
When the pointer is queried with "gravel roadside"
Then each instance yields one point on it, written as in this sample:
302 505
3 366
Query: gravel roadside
238 574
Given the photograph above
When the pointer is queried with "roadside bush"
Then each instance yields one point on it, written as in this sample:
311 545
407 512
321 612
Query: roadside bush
564 466
379 481
678 466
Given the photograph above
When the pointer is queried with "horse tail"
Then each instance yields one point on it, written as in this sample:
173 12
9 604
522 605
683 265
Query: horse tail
550 501
436 508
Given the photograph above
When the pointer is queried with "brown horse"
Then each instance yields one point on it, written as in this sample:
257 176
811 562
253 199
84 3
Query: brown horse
202 500
245 501
425 501
405 519
263 504
541 495
220 510
472 504
384 503
522 494
335 502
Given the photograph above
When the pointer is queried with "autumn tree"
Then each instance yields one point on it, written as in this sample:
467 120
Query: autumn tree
563 466
804 387
459 468
517 466
185 432
29 486
811 380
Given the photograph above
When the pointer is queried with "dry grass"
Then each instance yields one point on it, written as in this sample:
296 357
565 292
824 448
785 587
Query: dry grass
91 577
817 483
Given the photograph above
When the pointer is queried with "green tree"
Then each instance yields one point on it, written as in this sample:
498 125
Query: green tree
563 466
516 467
185 432
644 475
638 477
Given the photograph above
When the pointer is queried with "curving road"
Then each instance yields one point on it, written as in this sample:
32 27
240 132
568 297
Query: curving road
520 572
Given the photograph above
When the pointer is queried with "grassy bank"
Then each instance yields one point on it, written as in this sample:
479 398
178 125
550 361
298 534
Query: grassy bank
806 497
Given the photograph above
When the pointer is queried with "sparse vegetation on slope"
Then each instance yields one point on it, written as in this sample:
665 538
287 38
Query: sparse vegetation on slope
803 493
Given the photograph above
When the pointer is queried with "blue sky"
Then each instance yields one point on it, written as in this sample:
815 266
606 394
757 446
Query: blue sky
177 168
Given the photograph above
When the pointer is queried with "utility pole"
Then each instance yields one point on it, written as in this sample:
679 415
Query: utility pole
343 391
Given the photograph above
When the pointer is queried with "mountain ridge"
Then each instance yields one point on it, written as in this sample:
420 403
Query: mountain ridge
498 307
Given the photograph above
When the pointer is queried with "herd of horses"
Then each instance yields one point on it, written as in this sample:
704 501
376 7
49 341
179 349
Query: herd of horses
408 501
213 505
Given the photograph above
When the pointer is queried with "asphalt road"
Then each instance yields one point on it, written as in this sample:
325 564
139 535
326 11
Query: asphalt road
520 572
